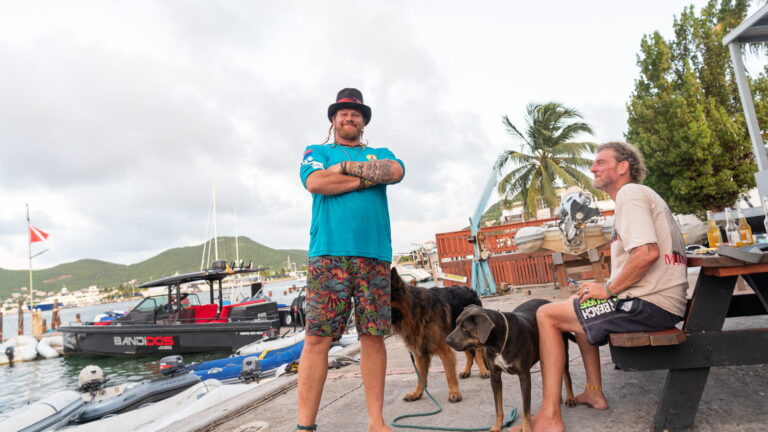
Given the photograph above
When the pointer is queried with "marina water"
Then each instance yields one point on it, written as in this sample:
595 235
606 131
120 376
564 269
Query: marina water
29 381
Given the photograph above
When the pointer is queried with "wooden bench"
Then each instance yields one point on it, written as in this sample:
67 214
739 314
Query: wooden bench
673 336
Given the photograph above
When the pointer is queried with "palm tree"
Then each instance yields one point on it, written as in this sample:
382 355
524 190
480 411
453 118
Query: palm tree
548 158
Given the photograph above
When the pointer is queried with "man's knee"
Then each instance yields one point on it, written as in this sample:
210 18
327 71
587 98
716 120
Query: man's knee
313 343
556 315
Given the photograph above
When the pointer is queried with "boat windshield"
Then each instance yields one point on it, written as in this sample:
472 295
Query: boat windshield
151 303
156 302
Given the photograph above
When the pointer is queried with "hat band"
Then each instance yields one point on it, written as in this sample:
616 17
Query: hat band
349 100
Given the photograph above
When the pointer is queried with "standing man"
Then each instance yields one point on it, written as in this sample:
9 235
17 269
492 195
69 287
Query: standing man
646 291
350 250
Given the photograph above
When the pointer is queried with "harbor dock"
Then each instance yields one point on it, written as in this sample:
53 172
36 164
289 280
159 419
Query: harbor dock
734 399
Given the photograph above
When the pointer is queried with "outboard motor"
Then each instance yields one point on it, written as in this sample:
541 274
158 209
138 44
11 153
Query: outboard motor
172 365
91 379
250 370
575 211
10 352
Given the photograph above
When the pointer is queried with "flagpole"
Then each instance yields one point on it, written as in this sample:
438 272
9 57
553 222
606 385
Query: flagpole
29 243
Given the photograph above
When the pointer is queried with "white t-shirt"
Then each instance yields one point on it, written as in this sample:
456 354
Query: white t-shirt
642 217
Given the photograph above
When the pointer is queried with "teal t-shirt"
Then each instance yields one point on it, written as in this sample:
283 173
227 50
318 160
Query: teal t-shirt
353 223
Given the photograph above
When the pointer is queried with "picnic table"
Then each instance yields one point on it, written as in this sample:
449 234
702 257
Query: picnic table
705 344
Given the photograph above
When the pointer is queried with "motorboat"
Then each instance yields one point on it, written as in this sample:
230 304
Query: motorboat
101 401
177 323
49 413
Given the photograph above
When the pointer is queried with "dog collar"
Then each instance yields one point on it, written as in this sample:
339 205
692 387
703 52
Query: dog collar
506 331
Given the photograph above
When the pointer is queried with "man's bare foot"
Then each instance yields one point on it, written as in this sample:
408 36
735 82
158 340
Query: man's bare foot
594 398
381 427
542 423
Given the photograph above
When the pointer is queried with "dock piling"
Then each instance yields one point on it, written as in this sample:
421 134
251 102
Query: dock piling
21 317
55 317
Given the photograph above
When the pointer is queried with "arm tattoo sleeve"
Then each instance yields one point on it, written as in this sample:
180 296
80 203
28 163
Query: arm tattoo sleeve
378 171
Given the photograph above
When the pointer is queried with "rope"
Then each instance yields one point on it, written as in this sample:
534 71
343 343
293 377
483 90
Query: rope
512 414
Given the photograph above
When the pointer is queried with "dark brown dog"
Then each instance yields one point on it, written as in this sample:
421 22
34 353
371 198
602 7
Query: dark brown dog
511 341
423 317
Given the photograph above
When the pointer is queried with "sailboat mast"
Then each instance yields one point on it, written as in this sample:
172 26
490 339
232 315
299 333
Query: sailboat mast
215 228
237 244
29 243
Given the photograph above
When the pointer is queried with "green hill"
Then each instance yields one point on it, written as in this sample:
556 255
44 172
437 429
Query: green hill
84 273
492 214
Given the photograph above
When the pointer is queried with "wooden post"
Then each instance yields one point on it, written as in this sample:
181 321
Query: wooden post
55 317
21 317
597 265
37 323
45 326
77 317
558 263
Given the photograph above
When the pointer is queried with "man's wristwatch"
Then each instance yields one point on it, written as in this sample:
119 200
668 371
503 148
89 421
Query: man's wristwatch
608 290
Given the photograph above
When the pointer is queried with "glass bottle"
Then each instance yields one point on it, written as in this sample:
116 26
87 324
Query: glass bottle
731 229
713 231
680 227
745 231
765 209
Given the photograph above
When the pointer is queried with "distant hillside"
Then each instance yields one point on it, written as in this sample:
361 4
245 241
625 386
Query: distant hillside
492 214
87 272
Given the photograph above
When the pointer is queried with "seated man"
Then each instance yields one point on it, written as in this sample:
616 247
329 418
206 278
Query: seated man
646 292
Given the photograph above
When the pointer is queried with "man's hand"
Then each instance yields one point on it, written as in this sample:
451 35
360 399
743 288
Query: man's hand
335 168
592 290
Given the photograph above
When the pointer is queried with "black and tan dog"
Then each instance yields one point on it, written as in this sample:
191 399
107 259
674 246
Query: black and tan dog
423 318
511 341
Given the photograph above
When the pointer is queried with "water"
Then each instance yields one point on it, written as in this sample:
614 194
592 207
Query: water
29 381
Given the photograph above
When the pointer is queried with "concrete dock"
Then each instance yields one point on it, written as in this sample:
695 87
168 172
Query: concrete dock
735 399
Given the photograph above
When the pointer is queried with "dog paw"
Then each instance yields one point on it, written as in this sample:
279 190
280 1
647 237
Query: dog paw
454 397
570 402
464 375
485 375
413 396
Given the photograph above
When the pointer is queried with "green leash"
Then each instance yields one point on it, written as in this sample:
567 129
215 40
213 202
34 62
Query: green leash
512 414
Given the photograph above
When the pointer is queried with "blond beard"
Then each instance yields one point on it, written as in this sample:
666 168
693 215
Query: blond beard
350 132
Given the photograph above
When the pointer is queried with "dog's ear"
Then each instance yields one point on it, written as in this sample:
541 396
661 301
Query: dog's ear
484 326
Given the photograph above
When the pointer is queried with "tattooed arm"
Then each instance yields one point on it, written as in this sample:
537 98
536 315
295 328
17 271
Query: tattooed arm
639 262
331 182
383 171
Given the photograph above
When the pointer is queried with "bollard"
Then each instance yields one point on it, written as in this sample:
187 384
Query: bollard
269 294
21 317
45 326
77 317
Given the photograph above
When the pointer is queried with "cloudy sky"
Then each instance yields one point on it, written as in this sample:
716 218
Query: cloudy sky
118 117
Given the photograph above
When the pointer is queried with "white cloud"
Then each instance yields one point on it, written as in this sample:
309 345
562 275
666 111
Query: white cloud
117 117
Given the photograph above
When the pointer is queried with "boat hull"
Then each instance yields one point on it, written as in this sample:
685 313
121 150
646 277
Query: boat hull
151 339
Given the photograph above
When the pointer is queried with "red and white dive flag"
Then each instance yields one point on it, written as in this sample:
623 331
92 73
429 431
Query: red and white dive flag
36 234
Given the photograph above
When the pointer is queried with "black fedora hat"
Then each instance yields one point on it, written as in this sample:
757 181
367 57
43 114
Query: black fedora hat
352 99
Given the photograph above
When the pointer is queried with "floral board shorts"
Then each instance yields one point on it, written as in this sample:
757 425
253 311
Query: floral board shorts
333 282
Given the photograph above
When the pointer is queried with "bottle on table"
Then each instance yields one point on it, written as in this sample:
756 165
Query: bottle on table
765 209
713 231
745 231
680 227
731 229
